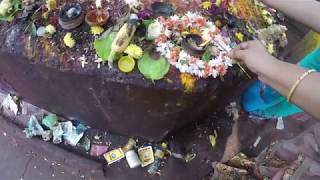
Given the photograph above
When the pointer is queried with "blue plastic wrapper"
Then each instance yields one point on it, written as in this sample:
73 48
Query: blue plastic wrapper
34 128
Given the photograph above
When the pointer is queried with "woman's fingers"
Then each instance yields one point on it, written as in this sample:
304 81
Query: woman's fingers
237 54
244 45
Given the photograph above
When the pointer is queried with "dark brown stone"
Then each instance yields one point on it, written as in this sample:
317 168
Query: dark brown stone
104 98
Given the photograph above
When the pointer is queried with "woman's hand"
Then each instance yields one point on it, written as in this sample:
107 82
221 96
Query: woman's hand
280 75
254 55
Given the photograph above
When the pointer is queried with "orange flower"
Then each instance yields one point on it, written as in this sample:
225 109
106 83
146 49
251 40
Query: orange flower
185 21
201 21
161 39
193 60
195 31
207 70
222 70
174 54
170 23
180 26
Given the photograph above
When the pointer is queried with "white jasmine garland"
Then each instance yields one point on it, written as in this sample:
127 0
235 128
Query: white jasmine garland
167 32
228 62
180 59
193 16
174 18
215 73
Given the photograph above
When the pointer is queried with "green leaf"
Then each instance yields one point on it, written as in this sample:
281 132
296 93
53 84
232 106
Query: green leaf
207 55
32 29
103 46
153 69
50 121
147 22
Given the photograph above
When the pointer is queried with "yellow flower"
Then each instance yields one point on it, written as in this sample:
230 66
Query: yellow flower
195 31
269 20
96 30
239 36
50 29
51 5
134 51
270 48
188 81
233 9
69 41
206 5
218 3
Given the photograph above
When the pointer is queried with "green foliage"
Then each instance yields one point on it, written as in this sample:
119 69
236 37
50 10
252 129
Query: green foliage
16 6
103 46
207 55
153 69
147 22
31 29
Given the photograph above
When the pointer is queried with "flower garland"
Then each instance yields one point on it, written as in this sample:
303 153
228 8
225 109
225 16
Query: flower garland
168 34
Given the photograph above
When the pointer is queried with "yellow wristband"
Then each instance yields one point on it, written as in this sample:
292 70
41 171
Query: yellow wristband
296 84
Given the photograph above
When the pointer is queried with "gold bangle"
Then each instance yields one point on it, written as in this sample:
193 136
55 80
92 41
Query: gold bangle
296 84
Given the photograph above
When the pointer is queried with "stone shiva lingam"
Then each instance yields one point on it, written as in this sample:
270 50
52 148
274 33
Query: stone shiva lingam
137 68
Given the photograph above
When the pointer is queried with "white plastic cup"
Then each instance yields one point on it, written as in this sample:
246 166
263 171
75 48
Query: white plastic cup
133 159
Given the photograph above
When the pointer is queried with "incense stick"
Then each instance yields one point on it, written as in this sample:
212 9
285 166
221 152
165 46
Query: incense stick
243 70
241 67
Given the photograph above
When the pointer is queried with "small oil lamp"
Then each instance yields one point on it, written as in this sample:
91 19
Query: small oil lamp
98 16
71 16
192 44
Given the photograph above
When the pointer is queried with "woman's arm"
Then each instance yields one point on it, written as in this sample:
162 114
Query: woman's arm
305 11
281 75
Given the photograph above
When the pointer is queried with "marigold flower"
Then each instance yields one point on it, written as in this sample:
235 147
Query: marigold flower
206 5
51 5
96 30
188 81
69 41
134 51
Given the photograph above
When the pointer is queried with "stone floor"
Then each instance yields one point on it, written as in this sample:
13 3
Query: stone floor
34 159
